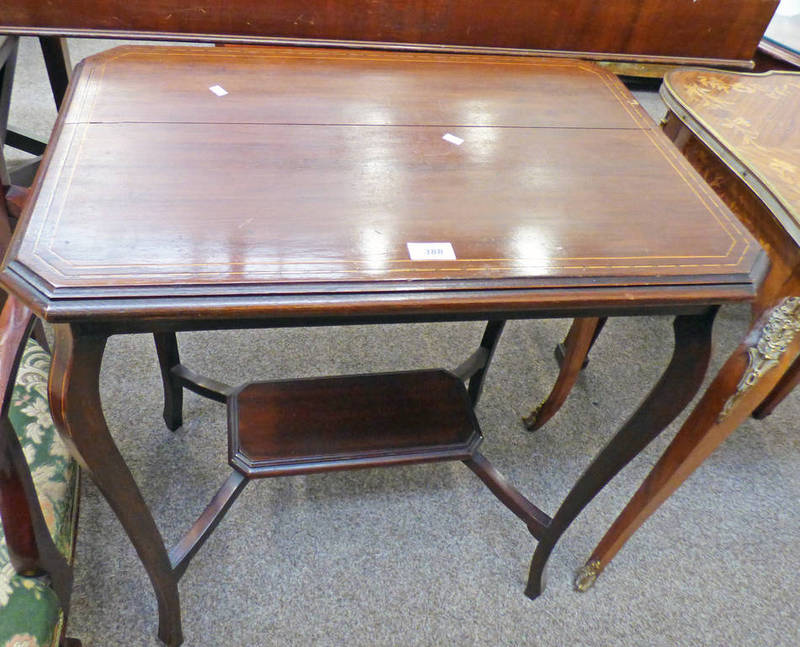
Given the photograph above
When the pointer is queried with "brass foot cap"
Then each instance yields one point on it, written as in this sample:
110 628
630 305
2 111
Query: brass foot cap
530 420
587 575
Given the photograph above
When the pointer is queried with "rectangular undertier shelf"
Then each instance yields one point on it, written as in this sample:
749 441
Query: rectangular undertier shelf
313 425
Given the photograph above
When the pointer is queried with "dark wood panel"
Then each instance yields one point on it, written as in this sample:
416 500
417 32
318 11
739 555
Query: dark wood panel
714 28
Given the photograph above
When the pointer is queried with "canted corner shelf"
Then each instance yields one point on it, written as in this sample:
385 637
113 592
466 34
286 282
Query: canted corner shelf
303 426
346 422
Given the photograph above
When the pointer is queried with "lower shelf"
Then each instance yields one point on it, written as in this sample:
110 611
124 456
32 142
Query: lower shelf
346 422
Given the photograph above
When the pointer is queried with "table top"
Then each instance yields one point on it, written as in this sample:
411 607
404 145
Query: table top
288 182
752 122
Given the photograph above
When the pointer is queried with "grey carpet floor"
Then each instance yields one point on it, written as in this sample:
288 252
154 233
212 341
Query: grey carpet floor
425 555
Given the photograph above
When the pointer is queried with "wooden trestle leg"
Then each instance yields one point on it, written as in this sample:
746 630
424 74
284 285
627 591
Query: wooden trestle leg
78 415
580 338
754 368
678 384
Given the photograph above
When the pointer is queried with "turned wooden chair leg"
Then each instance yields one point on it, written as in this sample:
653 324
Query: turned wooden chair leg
579 340
731 397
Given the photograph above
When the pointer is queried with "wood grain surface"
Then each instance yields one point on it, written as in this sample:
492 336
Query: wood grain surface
320 424
722 29
318 167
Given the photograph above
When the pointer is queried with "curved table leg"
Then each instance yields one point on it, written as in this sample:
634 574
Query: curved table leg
560 351
752 370
77 412
669 396
582 334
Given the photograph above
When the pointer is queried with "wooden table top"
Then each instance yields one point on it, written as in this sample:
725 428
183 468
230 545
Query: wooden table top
297 191
752 122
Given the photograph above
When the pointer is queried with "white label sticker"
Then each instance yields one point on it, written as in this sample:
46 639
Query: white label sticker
431 252
452 139
218 90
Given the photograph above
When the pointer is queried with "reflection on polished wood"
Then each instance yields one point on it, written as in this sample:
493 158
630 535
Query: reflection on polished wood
327 193
741 133
337 159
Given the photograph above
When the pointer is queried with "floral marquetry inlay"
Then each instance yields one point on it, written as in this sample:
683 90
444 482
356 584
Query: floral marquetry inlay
755 116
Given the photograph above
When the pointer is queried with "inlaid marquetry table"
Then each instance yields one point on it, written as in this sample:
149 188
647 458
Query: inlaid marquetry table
741 132
359 187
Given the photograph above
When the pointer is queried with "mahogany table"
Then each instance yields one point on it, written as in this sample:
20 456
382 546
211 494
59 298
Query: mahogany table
361 187
740 132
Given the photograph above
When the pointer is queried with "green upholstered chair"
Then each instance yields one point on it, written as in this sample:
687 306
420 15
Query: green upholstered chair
38 496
